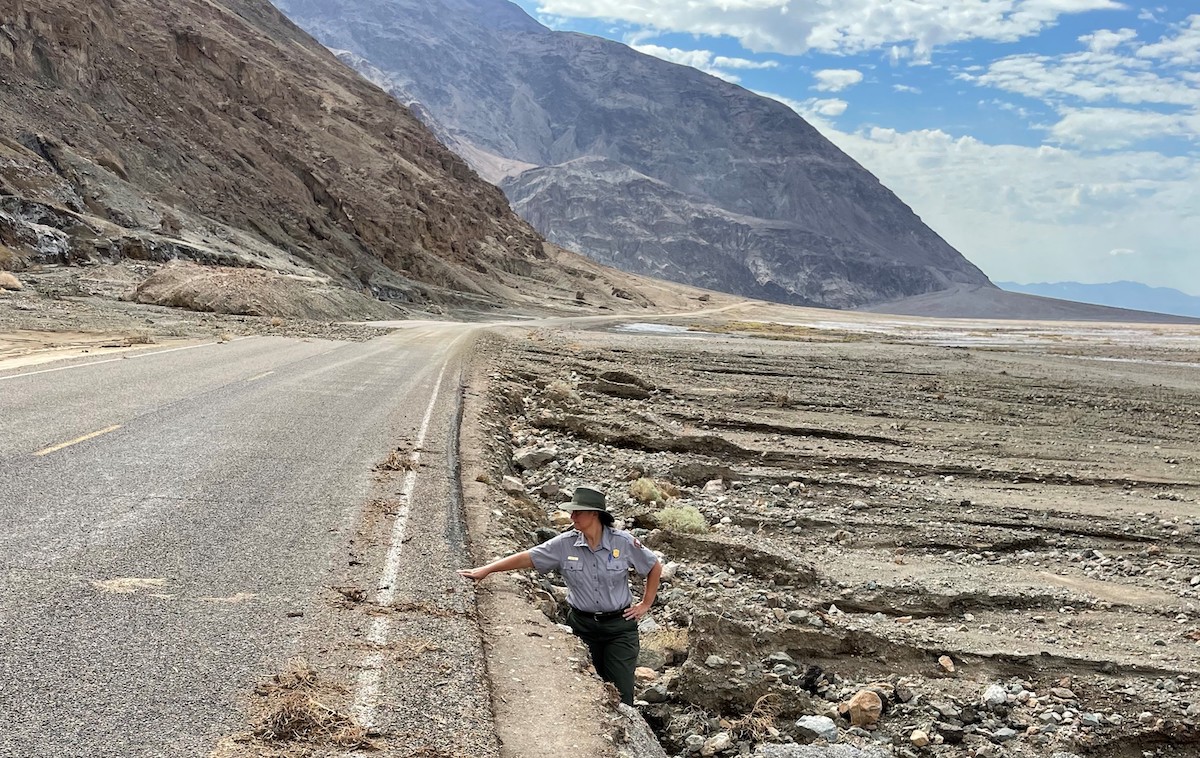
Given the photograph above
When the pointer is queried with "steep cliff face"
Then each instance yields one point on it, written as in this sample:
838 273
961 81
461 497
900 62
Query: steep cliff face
216 130
512 96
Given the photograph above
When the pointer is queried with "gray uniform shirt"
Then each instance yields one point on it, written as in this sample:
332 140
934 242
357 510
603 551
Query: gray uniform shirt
597 581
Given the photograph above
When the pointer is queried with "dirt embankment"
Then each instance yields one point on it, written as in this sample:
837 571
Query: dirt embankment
903 548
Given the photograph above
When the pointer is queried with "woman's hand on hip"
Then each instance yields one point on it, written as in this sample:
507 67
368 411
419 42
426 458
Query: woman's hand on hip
635 612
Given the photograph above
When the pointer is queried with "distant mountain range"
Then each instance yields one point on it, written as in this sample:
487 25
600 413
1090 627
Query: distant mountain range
642 164
1132 295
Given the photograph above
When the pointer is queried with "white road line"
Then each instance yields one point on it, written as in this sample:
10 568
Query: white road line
114 360
263 375
369 677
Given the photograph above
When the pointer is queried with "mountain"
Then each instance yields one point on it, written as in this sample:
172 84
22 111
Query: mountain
989 303
639 163
217 131
1116 294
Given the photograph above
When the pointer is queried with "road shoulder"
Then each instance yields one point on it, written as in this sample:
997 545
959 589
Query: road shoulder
545 705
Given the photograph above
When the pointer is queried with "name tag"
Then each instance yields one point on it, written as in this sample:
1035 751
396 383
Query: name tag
572 557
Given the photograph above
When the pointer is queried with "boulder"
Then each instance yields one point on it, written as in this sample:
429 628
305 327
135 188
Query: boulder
533 458
817 728
813 751
864 709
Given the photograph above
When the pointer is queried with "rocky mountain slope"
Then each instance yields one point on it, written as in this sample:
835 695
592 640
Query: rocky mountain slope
220 133
649 166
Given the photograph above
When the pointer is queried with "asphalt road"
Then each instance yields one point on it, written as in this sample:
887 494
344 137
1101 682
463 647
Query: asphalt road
167 517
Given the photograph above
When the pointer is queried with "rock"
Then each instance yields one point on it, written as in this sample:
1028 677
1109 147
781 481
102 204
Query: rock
669 571
652 658
952 734
919 738
817 728
513 485
994 697
717 743
638 740
946 710
714 486
715 661
1004 734
532 459
642 674
1062 693
656 693
767 750
946 663
864 708
1093 720
619 389
560 519
544 533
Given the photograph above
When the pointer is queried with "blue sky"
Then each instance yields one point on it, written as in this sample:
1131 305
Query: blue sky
1047 140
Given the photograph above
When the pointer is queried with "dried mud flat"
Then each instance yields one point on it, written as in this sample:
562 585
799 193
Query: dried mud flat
998 541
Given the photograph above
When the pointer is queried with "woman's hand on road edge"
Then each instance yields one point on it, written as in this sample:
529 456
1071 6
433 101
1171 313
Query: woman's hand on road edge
635 612
476 574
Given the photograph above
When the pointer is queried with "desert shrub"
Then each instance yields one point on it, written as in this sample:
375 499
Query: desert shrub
665 640
559 391
682 518
646 490
9 282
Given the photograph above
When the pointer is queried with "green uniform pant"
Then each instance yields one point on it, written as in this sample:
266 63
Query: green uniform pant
614 646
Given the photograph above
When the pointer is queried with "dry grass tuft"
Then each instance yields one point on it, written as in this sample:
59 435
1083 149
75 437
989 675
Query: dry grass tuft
666 641
682 518
353 594
295 712
757 723
9 282
647 490
397 460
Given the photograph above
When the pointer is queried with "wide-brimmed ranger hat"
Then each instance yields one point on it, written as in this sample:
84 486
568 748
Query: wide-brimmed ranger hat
587 499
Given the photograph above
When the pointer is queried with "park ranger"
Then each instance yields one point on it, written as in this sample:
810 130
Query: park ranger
594 561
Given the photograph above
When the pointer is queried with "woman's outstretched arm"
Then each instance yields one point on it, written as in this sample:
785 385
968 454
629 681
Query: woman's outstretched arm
511 563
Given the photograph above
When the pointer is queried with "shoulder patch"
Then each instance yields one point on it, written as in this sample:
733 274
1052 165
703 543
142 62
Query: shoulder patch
637 542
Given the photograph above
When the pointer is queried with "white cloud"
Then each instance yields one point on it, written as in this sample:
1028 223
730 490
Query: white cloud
1113 128
1181 50
704 60
1122 251
1104 40
1096 91
913 27
906 88
1087 76
837 79
1043 213
722 61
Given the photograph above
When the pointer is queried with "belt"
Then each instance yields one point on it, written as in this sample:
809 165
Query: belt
605 616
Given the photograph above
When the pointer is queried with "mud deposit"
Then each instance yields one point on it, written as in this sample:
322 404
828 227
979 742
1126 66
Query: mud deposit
908 549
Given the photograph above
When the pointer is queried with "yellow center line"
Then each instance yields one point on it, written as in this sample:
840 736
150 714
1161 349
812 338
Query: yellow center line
263 375
77 440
